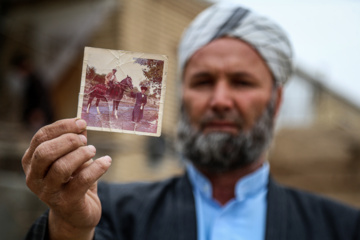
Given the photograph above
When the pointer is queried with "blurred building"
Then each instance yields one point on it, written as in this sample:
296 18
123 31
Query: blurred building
55 34
316 147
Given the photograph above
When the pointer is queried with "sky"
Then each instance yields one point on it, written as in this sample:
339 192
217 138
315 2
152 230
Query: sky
325 37
104 60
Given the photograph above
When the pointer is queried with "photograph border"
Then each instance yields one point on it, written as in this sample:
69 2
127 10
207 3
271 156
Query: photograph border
87 52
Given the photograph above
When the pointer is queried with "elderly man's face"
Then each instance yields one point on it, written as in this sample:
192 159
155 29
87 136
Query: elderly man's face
229 78
228 106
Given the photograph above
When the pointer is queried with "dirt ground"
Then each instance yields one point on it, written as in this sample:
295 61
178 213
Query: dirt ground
107 120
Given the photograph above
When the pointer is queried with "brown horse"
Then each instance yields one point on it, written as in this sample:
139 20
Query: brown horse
97 91
116 92
112 90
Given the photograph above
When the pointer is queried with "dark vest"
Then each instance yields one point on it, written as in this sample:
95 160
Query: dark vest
166 211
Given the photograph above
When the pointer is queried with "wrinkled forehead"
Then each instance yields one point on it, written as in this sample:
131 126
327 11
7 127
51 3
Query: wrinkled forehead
233 20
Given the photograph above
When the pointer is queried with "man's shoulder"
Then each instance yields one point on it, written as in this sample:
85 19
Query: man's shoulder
316 201
299 214
305 209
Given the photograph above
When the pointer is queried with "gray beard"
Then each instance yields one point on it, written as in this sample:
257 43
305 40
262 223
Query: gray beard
219 152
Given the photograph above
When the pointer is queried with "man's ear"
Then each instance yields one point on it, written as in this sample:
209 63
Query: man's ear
279 99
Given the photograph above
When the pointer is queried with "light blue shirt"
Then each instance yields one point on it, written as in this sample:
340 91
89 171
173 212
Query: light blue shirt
243 217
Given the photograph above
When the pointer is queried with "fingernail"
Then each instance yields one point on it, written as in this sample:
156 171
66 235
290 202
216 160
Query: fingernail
108 159
83 138
92 148
81 124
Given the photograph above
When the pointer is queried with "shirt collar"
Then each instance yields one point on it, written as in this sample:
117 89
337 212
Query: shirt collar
245 187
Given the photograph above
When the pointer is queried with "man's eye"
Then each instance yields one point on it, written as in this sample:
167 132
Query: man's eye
202 82
241 83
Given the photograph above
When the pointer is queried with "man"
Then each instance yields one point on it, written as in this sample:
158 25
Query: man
117 90
233 64
111 77
141 100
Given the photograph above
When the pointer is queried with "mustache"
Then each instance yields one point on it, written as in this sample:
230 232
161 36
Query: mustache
230 117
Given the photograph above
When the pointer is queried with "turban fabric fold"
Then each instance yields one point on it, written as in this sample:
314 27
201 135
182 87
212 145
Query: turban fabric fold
230 19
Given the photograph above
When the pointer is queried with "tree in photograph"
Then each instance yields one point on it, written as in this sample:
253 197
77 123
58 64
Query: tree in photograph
94 77
153 72
99 78
90 72
134 90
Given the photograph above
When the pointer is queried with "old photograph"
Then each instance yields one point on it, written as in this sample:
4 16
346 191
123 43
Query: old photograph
122 91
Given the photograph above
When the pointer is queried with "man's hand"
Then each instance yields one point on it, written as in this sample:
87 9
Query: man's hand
60 171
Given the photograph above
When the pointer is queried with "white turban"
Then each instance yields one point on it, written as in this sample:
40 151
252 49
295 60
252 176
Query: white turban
232 20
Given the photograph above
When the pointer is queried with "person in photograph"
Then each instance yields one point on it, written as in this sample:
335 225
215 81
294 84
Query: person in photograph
111 77
140 102
113 88
117 90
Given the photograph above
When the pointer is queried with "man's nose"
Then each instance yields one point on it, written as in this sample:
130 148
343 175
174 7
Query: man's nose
222 97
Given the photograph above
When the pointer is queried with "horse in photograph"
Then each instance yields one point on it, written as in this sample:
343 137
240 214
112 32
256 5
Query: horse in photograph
98 91
116 92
